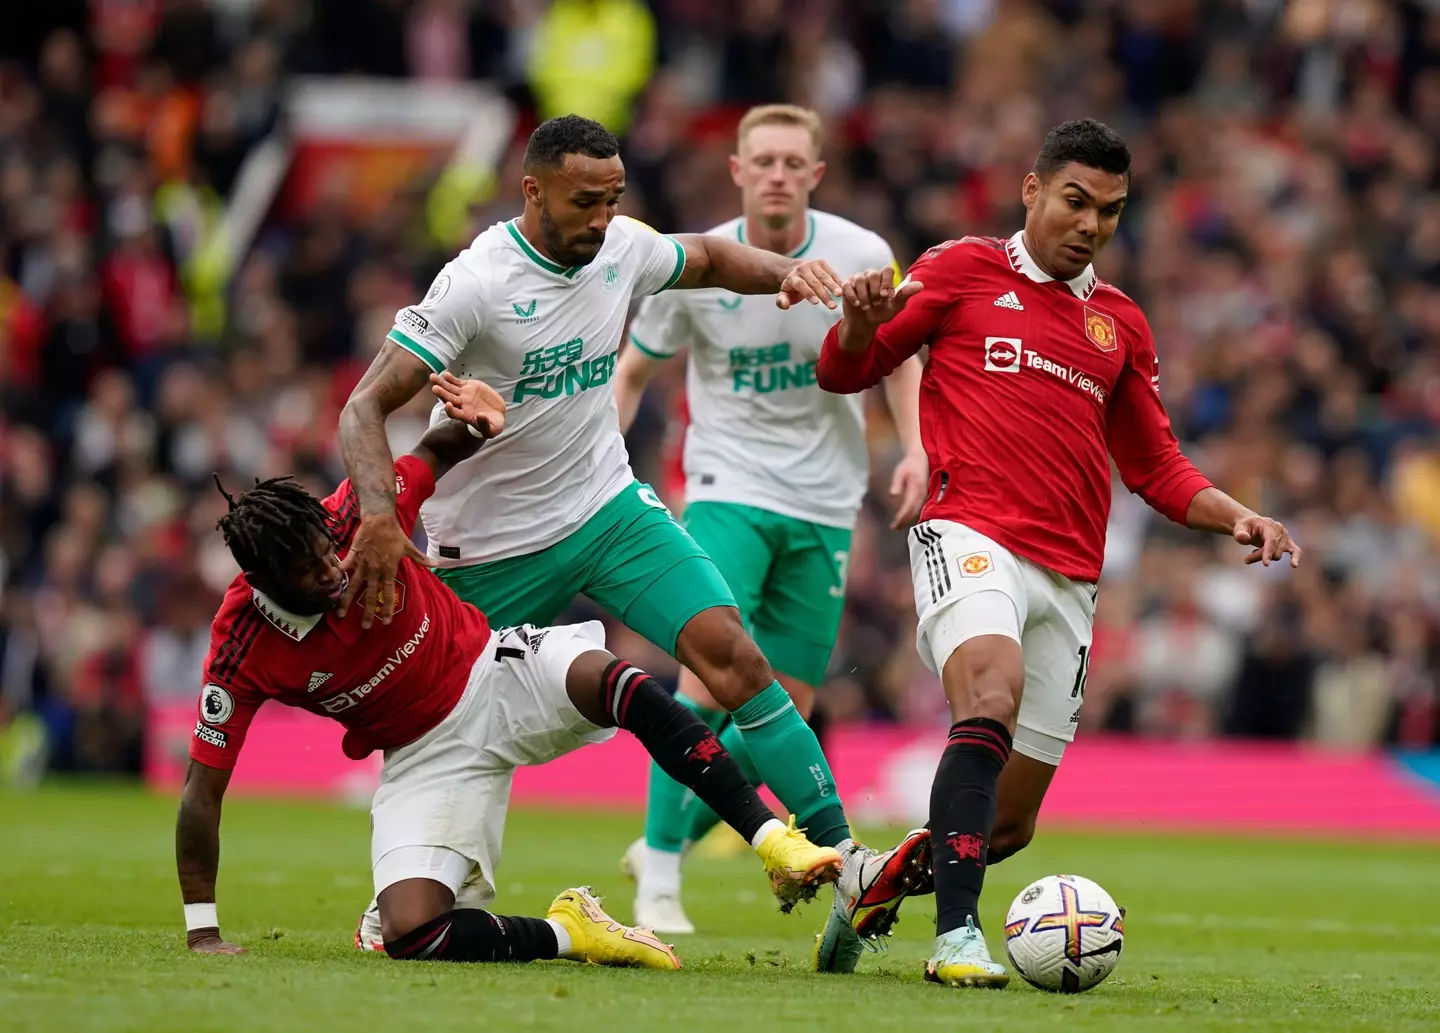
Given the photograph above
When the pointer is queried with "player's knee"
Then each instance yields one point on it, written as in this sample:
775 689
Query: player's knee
407 905
984 677
716 647
1009 838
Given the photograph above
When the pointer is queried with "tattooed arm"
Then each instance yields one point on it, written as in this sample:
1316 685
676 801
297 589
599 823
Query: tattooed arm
380 543
395 377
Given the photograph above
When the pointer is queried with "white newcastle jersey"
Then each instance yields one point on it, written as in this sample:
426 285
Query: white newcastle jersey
545 338
762 433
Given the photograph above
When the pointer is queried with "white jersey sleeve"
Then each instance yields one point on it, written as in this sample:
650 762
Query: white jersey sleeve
661 258
662 328
451 315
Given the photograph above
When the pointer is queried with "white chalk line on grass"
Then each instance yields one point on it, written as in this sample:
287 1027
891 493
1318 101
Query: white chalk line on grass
1268 922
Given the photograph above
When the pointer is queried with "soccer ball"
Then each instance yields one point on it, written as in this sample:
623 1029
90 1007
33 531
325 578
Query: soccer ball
1064 934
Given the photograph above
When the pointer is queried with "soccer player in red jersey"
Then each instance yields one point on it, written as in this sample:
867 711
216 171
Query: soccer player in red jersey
1039 374
456 707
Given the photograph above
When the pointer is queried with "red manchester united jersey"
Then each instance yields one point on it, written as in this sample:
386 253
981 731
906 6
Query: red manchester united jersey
1031 386
388 685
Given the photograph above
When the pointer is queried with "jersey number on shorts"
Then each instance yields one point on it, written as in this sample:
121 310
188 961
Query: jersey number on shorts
1078 692
842 570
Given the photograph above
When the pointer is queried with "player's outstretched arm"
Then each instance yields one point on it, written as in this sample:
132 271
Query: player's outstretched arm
1212 510
856 355
715 262
477 414
197 856
380 543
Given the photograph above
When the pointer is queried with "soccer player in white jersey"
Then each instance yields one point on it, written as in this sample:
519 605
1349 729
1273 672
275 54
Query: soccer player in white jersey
775 468
535 308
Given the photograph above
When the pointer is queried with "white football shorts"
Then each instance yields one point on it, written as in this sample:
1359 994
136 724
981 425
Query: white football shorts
446 793
968 585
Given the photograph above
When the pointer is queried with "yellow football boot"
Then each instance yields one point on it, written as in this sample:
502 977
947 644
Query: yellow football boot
597 939
796 866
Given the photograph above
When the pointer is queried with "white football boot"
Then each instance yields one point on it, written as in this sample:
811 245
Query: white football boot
660 912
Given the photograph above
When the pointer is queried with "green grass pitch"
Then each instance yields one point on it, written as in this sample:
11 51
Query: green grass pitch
1222 934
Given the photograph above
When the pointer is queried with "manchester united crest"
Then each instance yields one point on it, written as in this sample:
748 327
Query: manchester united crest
1100 328
977 564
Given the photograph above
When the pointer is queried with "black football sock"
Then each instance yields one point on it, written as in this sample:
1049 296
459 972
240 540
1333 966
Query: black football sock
962 811
684 746
468 934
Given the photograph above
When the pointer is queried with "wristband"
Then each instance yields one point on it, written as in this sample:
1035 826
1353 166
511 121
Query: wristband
201 916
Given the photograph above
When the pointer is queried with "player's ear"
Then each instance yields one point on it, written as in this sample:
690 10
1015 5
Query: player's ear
530 187
735 169
819 174
1030 189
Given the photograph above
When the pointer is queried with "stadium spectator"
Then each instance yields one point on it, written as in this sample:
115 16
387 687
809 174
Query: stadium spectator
1283 236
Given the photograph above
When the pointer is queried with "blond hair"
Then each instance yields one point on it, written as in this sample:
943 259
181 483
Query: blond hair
782 115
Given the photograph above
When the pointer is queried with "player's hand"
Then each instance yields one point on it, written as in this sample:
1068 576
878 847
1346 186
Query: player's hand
1270 539
208 941
872 298
380 543
472 402
908 486
812 280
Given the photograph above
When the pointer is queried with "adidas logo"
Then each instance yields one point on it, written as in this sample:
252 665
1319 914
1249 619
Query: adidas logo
1009 300
317 679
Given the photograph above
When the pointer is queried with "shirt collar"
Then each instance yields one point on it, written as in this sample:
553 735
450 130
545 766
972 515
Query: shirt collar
292 625
1081 286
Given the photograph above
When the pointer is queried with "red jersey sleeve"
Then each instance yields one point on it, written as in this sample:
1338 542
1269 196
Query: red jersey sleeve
223 716
414 483
1141 440
842 372
228 700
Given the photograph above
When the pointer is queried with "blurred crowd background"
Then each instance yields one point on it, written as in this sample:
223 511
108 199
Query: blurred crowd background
1283 234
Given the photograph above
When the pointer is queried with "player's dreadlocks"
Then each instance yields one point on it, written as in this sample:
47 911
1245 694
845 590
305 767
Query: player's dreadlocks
271 529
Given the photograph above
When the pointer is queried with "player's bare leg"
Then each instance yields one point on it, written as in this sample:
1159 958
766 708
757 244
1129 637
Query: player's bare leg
983 680
611 692
1020 793
419 921
676 819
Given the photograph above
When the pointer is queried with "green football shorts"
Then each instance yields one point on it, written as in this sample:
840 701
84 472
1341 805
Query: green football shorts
788 577
631 558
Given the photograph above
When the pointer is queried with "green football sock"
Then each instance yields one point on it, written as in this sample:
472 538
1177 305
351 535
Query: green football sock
699 818
664 810
788 759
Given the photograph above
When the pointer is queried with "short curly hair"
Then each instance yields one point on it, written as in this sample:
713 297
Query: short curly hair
1087 142
568 134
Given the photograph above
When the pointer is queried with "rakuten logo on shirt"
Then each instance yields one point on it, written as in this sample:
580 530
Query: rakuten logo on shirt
346 700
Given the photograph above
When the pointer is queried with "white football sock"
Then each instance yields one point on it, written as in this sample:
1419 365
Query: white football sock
846 847
661 875
563 946
765 830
